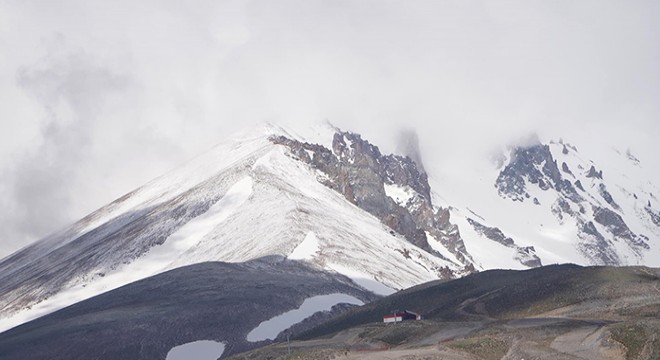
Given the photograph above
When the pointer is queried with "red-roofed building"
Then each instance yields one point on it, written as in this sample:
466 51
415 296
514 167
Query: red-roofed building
398 316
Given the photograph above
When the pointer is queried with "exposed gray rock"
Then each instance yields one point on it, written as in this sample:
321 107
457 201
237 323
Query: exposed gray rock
536 165
359 171
525 255
595 174
615 224
561 207
655 216
602 190
595 247
492 233
564 168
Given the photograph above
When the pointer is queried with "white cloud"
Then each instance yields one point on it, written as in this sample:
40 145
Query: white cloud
106 95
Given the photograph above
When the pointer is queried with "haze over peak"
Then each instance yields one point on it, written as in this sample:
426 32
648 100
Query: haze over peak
88 106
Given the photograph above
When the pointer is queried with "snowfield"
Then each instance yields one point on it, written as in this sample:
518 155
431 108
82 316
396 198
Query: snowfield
470 194
197 350
307 249
269 329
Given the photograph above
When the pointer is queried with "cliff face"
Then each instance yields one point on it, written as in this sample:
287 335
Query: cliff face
393 188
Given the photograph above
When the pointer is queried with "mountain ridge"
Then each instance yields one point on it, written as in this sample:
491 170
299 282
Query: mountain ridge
269 191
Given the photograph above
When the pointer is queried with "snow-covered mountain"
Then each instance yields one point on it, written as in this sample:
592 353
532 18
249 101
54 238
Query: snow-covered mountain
549 203
333 200
258 195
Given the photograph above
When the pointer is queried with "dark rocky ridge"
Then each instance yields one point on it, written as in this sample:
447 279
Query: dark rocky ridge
145 319
500 314
359 171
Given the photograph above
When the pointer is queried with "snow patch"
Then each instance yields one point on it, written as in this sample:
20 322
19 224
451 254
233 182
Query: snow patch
400 194
198 350
307 249
270 328
362 279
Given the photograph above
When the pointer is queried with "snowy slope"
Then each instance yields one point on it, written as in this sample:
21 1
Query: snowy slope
243 200
332 200
553 220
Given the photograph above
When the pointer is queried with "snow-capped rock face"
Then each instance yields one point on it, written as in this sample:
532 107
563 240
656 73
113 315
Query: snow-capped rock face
580 197
256 196
390 187
332 200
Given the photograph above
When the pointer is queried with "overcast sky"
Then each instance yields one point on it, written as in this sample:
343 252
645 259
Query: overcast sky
98 97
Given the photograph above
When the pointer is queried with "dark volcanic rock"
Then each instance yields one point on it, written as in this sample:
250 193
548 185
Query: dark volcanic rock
492 233
145 319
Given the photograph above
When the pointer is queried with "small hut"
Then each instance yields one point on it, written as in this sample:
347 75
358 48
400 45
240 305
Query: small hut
398 316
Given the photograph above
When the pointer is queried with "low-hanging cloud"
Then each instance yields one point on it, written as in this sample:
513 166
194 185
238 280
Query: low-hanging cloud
100 97
70 91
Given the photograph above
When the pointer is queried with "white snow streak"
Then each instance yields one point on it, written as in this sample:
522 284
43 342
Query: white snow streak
198 350
364 280
155 261
400 194
307 249
270 328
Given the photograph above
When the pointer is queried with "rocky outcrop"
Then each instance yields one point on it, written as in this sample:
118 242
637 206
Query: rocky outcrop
525 255
595 174
655 216
534 165
360 172
566 169
602 190
595 246
615 224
